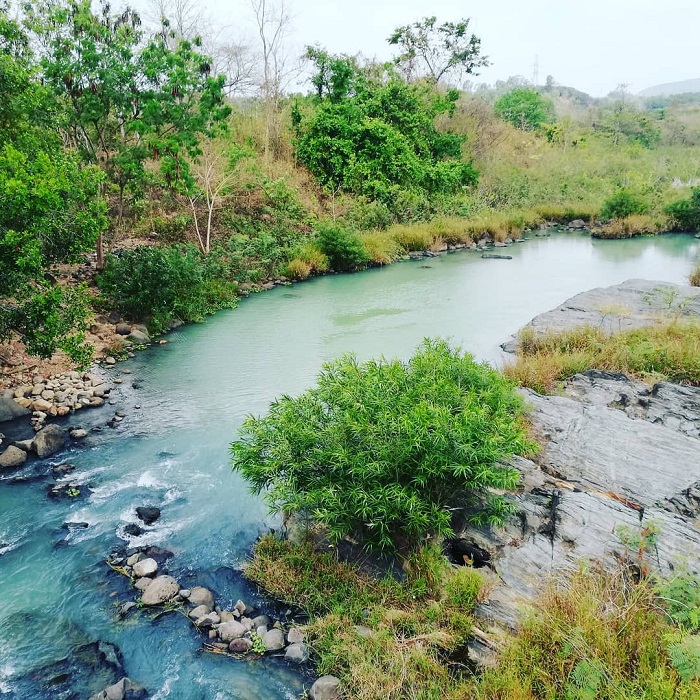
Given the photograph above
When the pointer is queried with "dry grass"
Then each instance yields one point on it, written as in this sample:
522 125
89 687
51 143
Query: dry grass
381 248
669 351
694 277
634 225
597 636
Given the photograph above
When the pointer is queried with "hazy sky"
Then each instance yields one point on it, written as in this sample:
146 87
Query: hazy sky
593 45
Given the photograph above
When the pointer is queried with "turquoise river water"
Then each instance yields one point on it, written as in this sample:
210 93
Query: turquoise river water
172 451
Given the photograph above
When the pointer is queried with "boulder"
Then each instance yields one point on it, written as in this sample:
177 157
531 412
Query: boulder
273 640
12 457
49 440
145 567
201 596
161 590
123 328
78 433
133 530
149 514
294 636
577 224
10 409
228 631
142 584
325 688
138 337
297 652
199 611
125 689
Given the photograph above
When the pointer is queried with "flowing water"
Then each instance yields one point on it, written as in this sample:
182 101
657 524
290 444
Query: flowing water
184 402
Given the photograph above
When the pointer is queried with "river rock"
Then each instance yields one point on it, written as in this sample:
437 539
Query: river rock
138 337
208 621
273 640
12 457
294 636
133 530
577 224
145 567
243 608
49 440
131 560
125 689
122 328
199 611
229 631
242 645
325 688
161 590
261 620
201 596
78 433
149 514
10 409
142 584
297 652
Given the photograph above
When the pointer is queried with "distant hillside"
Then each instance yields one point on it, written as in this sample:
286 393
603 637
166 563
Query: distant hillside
672 88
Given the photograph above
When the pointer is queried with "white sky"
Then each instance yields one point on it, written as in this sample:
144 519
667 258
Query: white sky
592 45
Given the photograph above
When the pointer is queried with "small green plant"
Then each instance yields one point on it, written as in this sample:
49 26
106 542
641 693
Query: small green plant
258 644
73 491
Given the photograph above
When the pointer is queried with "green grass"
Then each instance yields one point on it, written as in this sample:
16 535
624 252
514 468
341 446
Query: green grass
669 351
383 638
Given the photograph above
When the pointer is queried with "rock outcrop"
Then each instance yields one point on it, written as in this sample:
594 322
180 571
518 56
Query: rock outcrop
618 477
632 304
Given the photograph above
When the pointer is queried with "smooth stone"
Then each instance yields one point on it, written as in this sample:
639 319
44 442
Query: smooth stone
134 558
208 621
226 616
199 611
138 337
133 530
142 584
325 688
110 360
10 409
228 631
161 590
123 328
78 433
242 645
25 445
49 440
12 457
297 652
201 596
294 636
273 640
130 605
145 567
243 608
261 620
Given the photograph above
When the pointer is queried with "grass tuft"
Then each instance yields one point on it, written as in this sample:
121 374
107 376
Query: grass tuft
669 351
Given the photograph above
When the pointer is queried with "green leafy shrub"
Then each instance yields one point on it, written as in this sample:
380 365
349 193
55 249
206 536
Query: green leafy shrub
158 284
525 109
342 246
685 213
383 450
623 204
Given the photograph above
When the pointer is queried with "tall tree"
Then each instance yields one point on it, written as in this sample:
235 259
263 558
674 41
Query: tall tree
439 52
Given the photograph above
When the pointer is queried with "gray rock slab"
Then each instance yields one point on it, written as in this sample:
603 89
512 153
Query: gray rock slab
632 304
12 457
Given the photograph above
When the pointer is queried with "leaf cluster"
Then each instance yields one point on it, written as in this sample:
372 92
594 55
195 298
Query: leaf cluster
384 451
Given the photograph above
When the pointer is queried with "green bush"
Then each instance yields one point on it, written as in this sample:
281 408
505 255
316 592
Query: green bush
387 451
158 284
525 109
685 213
342 246
623 204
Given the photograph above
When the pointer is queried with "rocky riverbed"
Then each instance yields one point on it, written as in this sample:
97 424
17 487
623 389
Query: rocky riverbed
618 478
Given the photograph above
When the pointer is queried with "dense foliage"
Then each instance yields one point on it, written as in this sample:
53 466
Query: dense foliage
389 451
164 283
525 109
685 213
624 203
368 131
50 211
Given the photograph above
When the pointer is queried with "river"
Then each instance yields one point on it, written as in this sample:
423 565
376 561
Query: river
184 402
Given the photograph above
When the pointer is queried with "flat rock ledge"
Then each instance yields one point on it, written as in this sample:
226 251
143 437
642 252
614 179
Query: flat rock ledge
632 304
619 456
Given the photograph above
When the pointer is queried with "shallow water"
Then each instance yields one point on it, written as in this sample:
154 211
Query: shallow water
193 394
